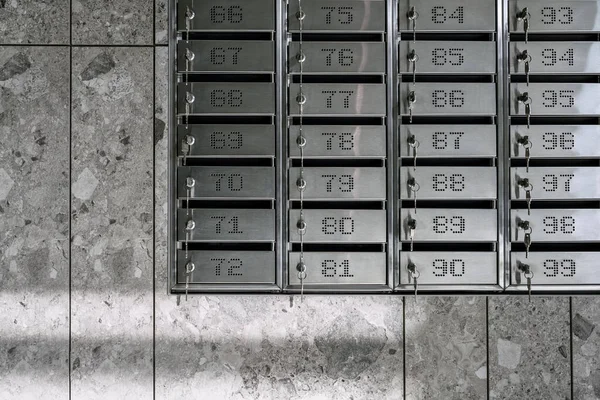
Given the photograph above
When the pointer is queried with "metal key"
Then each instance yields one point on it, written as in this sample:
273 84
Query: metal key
523 15
524 57
190 225
412 15
413 58
189 16
414 144
414 274
526 100
526 143
528 274
189 184
189 268
414 187
186 148
412 225
528 187
189 100
527 241
412 99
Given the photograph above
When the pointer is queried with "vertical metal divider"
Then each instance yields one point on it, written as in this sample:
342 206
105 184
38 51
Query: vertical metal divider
393 126
171 149
502 126
281 144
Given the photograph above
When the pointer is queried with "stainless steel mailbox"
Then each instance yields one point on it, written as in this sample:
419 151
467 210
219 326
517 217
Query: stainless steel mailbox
449 225
450 16
339 99
448 183
557 268
227 56
339 183
335 268
338 57
556 16
554 225
228 267
442 57
226 182
227 140
227 98
556 141
227 225
556 98
339 141
339 15
449 98
443 141
450 268
556 183
226 15
330 226
556 57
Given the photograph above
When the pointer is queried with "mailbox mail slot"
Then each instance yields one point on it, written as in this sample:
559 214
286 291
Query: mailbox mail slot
228 267
339 99
227 98
449 98
227 225
567 225
439 57
227 182
339 141
339 15
226 56
330 226
447 183
339 183
327 268
450 268
441 141
449 225
338 57
556 183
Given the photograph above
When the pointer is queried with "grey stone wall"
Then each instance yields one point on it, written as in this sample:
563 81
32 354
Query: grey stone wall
84 308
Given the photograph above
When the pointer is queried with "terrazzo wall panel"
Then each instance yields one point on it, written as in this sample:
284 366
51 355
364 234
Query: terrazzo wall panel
81 155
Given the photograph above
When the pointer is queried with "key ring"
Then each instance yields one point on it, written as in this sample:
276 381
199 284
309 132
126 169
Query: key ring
190 267
528 275
413 57
301 268
414 273
414 186
525 99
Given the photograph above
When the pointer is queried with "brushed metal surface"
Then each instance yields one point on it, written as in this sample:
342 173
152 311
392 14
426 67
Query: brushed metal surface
556 16
227 15
557 268
227 140
339 99
453 15
226 56
339 15
218 267
450 268
449 183
330 226
227 98
338 57
449 98
557 183
445 57
557 98
449 225
443 141
227 182
556 57
554 225
556 141
227 225
339 183
336 141
339 268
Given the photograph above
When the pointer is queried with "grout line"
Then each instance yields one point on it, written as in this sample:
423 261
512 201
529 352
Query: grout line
153 116
70 182
404 347
571 345
70 44
487 345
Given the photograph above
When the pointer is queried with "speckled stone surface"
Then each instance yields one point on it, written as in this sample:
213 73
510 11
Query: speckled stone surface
529 348
161 22
112 226
112 22
586 348
446 351
34 222
34 22
260 347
